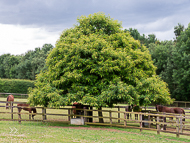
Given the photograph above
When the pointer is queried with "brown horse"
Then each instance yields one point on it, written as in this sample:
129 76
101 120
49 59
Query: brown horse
26 108
176 110
9 98
128 109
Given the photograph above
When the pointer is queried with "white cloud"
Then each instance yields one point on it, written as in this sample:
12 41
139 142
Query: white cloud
17 39
163 28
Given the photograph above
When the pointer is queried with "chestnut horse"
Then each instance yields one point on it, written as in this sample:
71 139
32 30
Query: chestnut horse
9 98
176 110
26 108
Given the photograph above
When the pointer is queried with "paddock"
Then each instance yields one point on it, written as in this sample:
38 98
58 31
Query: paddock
113 117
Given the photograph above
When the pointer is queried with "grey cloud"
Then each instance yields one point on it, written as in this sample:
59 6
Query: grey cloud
59 14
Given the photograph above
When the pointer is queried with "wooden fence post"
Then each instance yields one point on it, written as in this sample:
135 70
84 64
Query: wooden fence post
11 110
125 122
85 119
69 112
158 125
118 115
110 118
181 123
45 116
43 112
177 127
140 121
90 113
149 119
164 120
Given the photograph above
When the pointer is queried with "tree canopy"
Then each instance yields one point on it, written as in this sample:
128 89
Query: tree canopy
98 64
181 72
24 66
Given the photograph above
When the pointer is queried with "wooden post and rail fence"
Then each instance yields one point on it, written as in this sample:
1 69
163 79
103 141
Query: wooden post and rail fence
147 120
184 104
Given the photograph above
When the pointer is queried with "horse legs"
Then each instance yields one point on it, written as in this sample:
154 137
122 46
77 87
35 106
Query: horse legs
165 124
30 115
127 116
19 110
7 106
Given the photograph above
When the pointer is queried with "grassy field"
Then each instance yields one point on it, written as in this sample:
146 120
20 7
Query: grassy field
30 132
44 132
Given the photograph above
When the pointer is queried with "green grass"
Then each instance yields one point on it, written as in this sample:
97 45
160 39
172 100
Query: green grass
55 132
38 131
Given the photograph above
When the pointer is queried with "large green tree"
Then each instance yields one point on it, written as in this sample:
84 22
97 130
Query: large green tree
98 64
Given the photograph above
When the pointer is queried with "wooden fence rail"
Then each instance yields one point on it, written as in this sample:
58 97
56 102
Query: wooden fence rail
146 121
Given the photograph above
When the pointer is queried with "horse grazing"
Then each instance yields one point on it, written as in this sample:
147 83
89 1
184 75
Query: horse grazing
9 98
136 109
26 108
128 109
176 110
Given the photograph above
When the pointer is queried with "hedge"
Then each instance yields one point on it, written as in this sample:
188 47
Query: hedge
15 85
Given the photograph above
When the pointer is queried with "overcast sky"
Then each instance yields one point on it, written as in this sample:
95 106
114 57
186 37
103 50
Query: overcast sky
27 24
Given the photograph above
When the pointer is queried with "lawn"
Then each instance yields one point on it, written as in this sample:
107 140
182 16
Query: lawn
57 132
44 132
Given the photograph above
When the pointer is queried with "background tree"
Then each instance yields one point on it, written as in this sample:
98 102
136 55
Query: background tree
24 66
151 38
181 73
33 62
162 55
98 64
178 29
9 65
2 66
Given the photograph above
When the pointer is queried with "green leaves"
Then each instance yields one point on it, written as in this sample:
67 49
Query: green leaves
96 63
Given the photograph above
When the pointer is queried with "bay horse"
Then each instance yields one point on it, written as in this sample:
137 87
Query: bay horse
176 110
9 98
26 108
128 109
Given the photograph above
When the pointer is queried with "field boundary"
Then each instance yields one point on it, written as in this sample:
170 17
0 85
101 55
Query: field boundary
146 120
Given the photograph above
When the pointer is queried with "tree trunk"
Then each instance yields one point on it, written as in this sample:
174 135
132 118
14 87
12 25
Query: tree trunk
101 120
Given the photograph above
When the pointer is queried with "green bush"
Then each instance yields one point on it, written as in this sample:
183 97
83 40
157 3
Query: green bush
15 85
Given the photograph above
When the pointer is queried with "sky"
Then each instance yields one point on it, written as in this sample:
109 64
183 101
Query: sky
28 24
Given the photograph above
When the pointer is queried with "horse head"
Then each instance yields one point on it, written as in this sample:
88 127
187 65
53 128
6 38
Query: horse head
157 108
